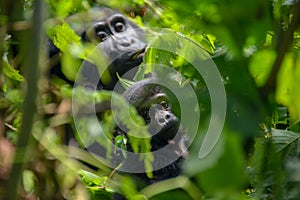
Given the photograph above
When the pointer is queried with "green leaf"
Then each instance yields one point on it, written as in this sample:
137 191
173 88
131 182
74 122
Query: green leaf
139 197
28 181
128 186
283 139
227 174
124 82
95 185
15 96
66 91
12 73
70 64
99 193
287 90
62 36
64 8
261 65
91 179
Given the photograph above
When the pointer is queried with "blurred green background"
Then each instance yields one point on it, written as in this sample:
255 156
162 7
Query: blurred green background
255 45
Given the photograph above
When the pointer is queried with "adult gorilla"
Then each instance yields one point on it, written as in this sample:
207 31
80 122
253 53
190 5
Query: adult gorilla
120 40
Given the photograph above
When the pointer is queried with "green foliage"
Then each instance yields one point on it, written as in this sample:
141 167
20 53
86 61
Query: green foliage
10 72
255 45
95 185
66 7
62 36
288 81
69 43
88 130
227 173
28 181
261 65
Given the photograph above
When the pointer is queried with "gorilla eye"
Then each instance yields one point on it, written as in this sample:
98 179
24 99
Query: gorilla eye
164 104
119 27
102 35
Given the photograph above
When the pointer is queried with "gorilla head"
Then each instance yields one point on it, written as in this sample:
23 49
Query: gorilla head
152 103
121 42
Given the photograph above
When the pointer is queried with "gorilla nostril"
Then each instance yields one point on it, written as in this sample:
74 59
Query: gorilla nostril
125 43
161 120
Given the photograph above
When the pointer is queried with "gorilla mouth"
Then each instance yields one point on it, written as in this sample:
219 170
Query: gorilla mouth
136 58
170 127
168 133
139 54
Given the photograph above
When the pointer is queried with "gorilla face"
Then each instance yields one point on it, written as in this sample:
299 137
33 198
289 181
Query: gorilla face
121 42
151 102
163 124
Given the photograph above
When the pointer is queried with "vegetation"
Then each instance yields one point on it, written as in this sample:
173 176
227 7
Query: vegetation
255 45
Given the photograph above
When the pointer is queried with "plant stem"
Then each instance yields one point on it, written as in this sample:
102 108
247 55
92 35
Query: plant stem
283 45
29 106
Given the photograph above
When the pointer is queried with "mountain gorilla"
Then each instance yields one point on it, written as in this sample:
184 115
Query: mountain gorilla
152 104
120 40
123 45
164 127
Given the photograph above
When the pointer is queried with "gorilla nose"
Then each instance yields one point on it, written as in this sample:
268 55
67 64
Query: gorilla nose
126 42
131 43
165 118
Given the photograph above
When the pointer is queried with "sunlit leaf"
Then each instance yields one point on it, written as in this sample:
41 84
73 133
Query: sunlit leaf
62 36
128 186
95 185
288 84
64 8
261 65
91 179
138 197
12 73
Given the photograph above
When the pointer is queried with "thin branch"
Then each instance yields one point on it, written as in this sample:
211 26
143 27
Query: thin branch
284 43
29 106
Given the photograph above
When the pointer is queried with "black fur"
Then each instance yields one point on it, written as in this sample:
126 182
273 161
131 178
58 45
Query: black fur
120 40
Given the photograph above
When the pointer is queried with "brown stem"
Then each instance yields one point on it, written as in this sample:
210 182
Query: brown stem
283 45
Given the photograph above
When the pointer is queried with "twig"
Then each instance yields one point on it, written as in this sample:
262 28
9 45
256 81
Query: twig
10 126
283 46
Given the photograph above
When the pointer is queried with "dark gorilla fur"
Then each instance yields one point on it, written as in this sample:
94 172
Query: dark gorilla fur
152 104
122 43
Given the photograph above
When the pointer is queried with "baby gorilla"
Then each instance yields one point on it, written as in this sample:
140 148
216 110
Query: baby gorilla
168 140
151 102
